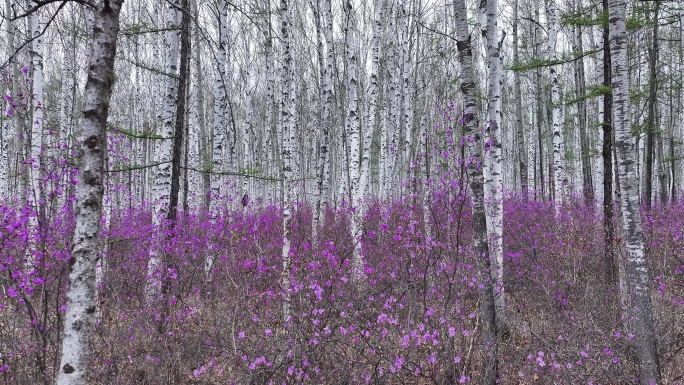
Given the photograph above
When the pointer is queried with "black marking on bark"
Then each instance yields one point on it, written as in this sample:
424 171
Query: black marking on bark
68 369
91 141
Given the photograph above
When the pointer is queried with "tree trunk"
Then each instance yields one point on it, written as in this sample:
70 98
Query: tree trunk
326 69
37 104
493 155
372 95
637 270
353 127
197 151
161 190
607 153
289 138
181 110
519 130
82 294
560 180
650 122
480 244
219 140
581 89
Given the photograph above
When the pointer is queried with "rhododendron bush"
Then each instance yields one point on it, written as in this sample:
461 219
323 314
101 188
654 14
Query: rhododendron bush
412 318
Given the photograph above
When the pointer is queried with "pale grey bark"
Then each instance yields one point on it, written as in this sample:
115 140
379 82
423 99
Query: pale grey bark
637 267
372 94
559 173
493 154
82 295
406 92
161 189
5 119
196 130
220 95
353 127
37 102
21 181
288 138
519 129
474 162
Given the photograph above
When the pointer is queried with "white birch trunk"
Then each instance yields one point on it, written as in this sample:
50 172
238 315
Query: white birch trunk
5 133
289 137
393 155
6 112
637 267
161 189
219 142
82 293
473 165
407 92
598 160
493 178
196 123
247 158
372 95
559 173
37 103
678 175
353 127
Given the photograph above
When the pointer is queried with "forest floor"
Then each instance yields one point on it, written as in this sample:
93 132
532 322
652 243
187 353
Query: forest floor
411 319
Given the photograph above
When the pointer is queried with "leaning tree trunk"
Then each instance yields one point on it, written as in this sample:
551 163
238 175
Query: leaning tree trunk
480 244
637 270
82 294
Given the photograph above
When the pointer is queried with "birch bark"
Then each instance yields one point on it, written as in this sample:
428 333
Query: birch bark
196 126
493 178
37 103
353 127
219 141
476 181
372 94
519 130
288 135
161 190
637 269
559 173
82 295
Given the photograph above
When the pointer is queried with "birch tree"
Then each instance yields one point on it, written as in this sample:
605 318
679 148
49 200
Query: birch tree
220 95
37 101
288 140
519 130
559 174
492 157
6 112
474 161
372 94
161 191
82 295
637 270
353 127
